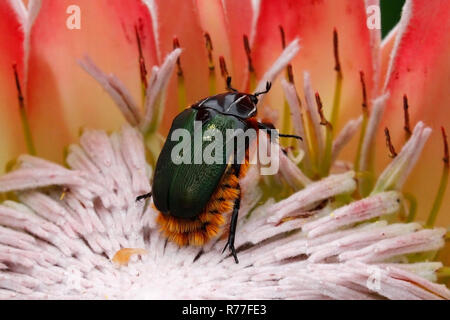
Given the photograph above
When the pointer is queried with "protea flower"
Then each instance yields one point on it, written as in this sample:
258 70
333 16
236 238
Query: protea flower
332 224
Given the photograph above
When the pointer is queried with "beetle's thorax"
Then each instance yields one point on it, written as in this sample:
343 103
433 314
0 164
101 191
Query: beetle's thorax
238 104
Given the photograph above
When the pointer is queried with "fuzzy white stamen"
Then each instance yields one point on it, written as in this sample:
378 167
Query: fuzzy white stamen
312 194
371 131
296 114
291 173
279 65
115 89
380 204
156 90
311 110
345 136
395 174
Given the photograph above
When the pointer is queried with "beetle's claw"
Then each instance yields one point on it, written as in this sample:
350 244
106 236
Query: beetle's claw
232 249
143 196
225 248
233 252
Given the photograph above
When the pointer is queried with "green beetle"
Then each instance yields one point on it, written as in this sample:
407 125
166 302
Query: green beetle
195 200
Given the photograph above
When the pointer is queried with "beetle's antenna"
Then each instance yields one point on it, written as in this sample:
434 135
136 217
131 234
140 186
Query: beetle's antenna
268 86
229 87
282 135
270 126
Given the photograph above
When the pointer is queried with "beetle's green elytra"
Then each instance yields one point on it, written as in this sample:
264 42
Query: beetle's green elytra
197 200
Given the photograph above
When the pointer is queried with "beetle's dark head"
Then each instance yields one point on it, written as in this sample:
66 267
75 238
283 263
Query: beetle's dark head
244 104
233 103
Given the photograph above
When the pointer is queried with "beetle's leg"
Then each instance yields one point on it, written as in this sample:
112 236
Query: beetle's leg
269 126
232 233
236 167
144 196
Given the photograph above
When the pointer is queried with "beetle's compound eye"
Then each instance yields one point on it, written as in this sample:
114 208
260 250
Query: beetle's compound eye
202 114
